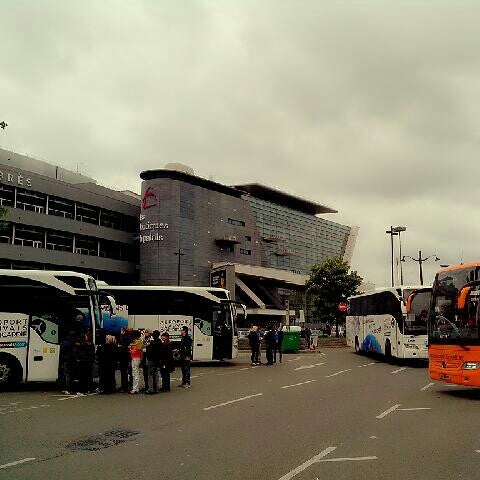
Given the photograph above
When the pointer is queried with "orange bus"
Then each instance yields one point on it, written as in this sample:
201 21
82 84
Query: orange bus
453 332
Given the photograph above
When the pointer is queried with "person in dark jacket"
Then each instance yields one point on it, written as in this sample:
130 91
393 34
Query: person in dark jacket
124 360
153 354
67 363
269 344
278 344
254 342
107 355
185 356
84 357
166 362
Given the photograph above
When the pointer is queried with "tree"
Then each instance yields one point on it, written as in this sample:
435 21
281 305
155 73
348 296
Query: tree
3 213
330 283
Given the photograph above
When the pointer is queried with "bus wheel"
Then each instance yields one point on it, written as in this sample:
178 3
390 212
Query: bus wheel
357 346
9 373
388 351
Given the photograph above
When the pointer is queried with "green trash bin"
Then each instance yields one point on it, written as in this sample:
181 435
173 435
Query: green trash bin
291 338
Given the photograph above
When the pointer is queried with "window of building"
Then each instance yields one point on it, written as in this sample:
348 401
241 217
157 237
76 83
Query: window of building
86 245
32 201
233 221
61 207
27 236
61 241
248 238
244 251
7 196
87 214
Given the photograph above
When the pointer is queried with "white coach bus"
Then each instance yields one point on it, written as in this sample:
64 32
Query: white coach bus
390 321
38 310
208 313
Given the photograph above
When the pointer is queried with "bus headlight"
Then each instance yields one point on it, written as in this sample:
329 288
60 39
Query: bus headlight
471 366
411 346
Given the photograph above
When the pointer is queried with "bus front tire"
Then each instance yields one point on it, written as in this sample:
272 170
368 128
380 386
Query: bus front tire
10 372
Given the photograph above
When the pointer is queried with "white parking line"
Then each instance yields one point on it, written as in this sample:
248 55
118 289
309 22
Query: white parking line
347 459
9 405
387 412
323 354
426 387
33 407
18 462
338 373
232 401
413 409
77 395
307 464
367 364
298 384
399 370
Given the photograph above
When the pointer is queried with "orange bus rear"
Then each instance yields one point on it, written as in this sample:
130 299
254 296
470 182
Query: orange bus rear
454 333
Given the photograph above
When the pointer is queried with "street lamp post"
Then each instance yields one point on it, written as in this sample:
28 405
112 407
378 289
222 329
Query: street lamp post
420 261
179 254
392 232
399 230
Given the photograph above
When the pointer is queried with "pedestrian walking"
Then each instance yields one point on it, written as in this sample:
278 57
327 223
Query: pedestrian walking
153 354
269 344
254 342
278 344
166 362
308 336
107 355
136 351
185 356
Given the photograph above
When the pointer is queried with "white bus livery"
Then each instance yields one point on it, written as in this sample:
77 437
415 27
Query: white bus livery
208 313
390 321
37 311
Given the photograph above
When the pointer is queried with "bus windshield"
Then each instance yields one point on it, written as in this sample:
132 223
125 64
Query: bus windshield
454 315
417 317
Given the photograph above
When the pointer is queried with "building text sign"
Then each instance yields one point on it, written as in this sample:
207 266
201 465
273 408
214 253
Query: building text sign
151 231
15 179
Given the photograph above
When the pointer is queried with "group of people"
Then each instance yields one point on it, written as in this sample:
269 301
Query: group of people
273 344
134 353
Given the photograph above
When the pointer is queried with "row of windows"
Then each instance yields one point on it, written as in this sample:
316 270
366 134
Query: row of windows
233 221
37 237
384 303
61 207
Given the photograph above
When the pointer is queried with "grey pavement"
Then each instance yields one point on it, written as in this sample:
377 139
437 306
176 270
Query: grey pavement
333 415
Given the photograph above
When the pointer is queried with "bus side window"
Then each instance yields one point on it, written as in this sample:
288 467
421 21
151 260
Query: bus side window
204 326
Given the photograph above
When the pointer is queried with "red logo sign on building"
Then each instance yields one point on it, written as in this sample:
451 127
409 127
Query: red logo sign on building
343 306
149 200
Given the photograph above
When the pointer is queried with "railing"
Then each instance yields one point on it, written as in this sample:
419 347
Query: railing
56 246
30 207
5 202
28 243
60 213
5 239
86 251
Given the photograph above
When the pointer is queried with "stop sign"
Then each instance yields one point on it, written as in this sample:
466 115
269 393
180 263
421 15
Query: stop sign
343 306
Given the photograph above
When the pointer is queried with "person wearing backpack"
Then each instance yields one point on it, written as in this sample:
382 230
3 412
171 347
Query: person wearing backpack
153 353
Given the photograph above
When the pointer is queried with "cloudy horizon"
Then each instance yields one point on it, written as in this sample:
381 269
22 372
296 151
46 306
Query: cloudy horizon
368 107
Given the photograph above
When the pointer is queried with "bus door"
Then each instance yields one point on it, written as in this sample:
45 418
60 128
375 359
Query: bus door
43 348
222 332
202 339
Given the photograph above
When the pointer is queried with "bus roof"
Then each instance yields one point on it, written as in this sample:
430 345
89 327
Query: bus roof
105 286
394 290
461 266
42 273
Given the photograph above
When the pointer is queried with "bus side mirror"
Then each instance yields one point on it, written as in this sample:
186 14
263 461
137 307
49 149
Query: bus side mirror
108 303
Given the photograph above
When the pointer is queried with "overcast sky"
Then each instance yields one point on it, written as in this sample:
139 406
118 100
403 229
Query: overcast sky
369 107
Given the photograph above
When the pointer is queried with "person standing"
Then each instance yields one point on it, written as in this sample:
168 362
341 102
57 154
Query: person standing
269 345
67 363
185 356
278 344
124 359
254 342
153 354
107 355
147 338
84 356
136 351
166 362
308 336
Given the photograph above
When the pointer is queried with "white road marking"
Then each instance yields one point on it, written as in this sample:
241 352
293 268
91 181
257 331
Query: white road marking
303 367
477 451
373 437
367 364
33 407
323 354
18 462
318 364
245 368
338 373
307 464
78 395
232 401
9 405
387 412
399 370
354 459
413 409
297 384
427 387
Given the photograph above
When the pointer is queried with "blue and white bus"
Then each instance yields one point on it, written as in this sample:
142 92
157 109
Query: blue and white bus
38 310
390 321
208 313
